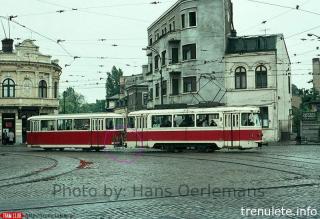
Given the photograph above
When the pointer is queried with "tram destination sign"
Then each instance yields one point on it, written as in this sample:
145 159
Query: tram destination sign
309 116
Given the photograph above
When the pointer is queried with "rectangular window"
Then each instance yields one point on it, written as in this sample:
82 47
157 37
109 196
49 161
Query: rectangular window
206 120
131 122
156 62
175 55
289 84
119 123
109 124
157 90
161 121
192 19
150 42
81 124
64 124
264 115
163 57
164 87
47 125
185 120
175 86
183 21
189 51
189 84
151 94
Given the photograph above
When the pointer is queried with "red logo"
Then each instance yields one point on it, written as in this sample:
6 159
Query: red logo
11 215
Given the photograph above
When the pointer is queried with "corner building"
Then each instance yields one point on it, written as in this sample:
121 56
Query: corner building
29 86
185 48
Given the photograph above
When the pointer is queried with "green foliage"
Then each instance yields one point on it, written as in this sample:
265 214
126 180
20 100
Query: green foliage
113 82
307 97
72 102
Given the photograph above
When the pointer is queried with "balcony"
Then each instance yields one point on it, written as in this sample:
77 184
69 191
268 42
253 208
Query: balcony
29 102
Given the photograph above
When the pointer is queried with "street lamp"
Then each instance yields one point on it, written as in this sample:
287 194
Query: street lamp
160 70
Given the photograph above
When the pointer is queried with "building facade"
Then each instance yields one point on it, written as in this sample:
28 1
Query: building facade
258 73
29 86
185 48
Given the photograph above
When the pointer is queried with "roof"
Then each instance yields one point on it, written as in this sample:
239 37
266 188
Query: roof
246 44
196 110
74 116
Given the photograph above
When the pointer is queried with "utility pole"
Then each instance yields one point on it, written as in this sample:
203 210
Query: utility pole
64 102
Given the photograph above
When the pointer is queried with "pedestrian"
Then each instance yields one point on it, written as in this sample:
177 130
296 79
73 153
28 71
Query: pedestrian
11 137
4 137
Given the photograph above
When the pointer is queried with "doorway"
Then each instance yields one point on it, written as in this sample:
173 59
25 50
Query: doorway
8 124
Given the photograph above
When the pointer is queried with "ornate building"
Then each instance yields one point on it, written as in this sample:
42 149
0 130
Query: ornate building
29 86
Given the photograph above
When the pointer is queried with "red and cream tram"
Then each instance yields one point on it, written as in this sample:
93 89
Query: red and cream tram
205 129
86 131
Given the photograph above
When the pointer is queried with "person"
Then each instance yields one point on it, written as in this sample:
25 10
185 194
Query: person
213 123
4 137
11 137
165 122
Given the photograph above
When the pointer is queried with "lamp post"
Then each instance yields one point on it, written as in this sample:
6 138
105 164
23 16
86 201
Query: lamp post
160 70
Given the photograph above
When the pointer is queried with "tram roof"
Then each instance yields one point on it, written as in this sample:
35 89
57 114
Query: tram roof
74 116
196 110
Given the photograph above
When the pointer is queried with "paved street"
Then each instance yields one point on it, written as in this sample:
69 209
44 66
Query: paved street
135 184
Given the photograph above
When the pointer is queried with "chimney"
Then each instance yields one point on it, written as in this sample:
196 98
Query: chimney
7 45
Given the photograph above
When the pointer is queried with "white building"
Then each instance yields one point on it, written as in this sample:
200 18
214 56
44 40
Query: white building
185 44
193 50
29 86
258 74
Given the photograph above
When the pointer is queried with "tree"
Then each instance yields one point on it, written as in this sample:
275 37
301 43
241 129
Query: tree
71 101
113 81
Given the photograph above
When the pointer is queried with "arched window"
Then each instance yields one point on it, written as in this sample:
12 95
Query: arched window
261 77
8 88
55 91
43 89
240 78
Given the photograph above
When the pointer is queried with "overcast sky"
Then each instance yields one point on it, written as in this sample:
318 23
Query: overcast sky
104 33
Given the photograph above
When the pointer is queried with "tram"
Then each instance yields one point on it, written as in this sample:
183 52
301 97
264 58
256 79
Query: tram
86 131
205 129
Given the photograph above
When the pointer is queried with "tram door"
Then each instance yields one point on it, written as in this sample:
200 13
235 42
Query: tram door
97 136
231 129
141 125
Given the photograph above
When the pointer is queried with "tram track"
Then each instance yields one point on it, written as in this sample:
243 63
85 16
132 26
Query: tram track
155 198
73 203
37 172
232 162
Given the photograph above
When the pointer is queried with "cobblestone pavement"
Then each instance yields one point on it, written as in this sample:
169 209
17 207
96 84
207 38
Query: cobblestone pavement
135 184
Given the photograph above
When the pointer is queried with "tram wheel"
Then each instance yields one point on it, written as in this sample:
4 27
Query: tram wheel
97 149
61 149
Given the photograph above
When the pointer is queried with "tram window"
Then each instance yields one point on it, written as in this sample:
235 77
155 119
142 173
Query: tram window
119 123
64 124
35 126
161 121
185 120
206 120
109 123
131 122
247 119
47 125
81 124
